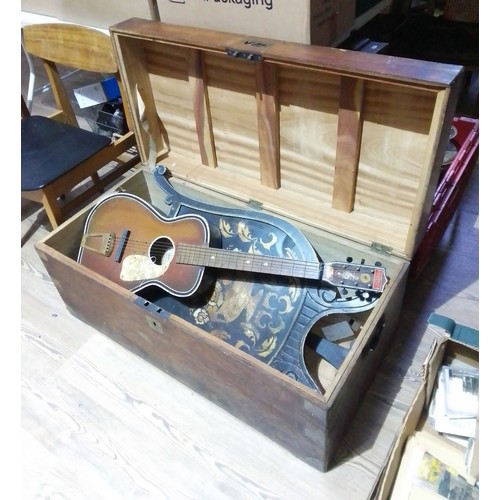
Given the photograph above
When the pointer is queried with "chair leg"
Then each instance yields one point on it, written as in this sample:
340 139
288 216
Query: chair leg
97 179
53 210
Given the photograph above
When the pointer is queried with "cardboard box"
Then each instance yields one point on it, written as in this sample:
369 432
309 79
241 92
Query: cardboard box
443 350
328 142
317 22
50 8
91 12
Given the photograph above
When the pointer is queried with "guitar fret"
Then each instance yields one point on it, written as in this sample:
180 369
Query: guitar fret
342 274
227 259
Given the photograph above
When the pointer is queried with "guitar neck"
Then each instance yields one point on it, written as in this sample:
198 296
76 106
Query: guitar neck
342 274
241 261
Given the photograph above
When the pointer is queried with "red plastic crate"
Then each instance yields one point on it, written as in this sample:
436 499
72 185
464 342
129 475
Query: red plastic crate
454 180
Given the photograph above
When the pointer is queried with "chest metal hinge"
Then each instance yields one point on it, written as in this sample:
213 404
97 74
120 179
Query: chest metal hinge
381 248
256 205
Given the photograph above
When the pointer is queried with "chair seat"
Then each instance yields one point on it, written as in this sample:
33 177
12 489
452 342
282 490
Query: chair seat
49 149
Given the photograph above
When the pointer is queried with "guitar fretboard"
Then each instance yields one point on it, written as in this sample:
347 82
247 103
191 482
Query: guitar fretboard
241 261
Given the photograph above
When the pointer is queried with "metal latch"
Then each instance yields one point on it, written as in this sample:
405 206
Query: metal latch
247 55
241 54
155 313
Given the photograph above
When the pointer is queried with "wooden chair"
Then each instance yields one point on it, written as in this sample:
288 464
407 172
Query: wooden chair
57 155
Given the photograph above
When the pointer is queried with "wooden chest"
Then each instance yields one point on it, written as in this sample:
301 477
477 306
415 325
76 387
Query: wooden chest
345 148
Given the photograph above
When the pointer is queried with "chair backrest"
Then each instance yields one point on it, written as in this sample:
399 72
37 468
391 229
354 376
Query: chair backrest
72 46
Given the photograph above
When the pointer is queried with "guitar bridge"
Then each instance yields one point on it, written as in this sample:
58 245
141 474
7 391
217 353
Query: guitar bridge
101 243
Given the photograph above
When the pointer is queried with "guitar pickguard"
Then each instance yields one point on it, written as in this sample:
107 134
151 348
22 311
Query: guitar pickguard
140 267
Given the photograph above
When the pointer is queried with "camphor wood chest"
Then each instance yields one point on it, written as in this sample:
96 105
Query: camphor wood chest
344 146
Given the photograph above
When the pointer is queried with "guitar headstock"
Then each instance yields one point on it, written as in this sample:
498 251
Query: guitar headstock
357 276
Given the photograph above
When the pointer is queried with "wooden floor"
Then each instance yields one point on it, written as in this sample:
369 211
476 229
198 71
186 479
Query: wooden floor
98 422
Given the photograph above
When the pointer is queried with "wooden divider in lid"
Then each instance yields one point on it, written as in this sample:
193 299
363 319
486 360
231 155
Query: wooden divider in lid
349 142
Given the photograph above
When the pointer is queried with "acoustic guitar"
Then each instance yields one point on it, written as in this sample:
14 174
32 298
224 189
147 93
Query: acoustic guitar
129 242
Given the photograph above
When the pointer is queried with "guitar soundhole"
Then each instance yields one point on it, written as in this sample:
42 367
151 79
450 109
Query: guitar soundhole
161 251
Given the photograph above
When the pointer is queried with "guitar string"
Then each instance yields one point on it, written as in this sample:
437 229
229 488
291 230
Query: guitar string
242 260
187 252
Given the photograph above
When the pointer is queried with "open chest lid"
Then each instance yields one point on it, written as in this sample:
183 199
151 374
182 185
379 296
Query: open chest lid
348 142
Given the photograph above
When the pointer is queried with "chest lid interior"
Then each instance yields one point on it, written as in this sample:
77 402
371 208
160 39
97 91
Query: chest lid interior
348 142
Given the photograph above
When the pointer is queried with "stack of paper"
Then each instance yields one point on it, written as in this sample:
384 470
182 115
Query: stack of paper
455 404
